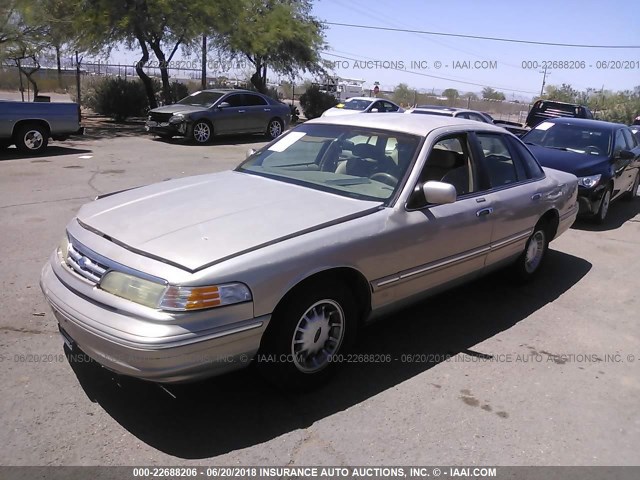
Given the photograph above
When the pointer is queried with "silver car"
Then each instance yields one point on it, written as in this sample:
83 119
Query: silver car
208 113
283 259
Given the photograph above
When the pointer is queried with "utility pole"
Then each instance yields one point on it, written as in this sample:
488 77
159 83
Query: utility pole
204 62
544 80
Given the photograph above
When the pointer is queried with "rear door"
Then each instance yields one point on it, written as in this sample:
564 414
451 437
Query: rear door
258 112
515 191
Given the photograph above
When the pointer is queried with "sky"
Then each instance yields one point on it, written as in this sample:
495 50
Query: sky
603 22
431 62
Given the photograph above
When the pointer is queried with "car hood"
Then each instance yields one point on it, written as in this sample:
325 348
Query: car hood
198 221
577 163
332 112
178 108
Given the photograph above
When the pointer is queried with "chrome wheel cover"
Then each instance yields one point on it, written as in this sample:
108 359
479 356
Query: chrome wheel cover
33 139
535 251
274 129
201 132
318 336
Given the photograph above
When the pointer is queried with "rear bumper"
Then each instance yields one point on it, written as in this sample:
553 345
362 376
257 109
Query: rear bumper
198 355
567 219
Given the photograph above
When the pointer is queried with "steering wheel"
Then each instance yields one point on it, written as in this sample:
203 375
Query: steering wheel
593 149
385 178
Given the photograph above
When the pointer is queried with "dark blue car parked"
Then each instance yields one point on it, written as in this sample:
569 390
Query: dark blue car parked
604 156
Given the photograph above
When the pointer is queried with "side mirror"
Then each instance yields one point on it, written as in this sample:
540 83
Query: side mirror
250 152
373 110
439 192
224 105
625 155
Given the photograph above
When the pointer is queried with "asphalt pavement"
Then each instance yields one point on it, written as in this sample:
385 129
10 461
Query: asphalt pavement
489 373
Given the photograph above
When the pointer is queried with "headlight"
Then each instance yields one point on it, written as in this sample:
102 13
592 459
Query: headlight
172 297
197 298
176 118
138 290
63 246
590 181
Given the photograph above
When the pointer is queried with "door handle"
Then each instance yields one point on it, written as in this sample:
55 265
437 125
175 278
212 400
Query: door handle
267 109
536 196
484 211
241 111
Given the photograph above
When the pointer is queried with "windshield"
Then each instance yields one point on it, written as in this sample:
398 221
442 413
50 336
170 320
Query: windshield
356 104
574 138
204 99
345 160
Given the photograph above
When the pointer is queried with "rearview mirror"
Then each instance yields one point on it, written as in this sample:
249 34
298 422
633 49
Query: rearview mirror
250 152
439 192
224 105
625 155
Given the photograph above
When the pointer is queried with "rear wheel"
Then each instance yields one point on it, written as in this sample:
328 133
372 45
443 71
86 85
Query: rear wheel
531 260
32 138
601 216
201 132
633 193
307 334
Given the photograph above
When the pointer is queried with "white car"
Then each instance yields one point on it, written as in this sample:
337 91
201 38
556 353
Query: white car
363 105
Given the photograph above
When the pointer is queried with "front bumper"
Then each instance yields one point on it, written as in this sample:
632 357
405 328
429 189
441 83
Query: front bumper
167 354
167 128
589 200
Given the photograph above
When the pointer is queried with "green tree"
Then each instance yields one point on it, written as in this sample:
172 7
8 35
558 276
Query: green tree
452 94
564 93
403 94
489 93
278 34
152 26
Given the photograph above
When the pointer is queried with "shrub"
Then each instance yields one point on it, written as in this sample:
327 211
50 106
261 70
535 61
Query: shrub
119 98
314 102
178 91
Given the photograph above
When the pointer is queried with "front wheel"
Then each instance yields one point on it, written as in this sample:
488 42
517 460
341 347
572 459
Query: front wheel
32 138
535 251
201 132
601 216
307 336
633 193
274 129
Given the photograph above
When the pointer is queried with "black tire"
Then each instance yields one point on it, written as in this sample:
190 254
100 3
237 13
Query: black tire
529 263
201 132
633 193
307 321
32 138
601 216
274 129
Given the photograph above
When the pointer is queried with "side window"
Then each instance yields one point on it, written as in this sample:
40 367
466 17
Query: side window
476 117
630 139
389 107
449 161
377 106
497 160
464 115
235 100
253 100
531 166
620 143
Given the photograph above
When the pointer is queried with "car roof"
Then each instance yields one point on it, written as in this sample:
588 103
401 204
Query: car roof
229 90
365 98
584 122
411 124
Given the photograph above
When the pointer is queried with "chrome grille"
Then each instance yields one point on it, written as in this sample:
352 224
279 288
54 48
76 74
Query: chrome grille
81 261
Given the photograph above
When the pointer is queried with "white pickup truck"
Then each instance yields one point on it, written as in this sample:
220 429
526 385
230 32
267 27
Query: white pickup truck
30 125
